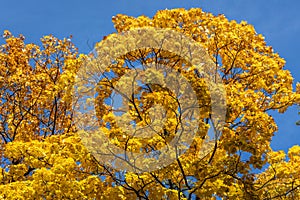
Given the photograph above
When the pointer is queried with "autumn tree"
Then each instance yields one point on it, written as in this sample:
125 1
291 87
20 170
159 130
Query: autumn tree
170 107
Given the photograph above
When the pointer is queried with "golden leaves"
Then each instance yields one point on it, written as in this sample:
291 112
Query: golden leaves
35 101
253 75
282 175
43 157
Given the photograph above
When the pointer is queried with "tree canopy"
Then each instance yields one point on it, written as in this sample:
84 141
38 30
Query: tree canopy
175 93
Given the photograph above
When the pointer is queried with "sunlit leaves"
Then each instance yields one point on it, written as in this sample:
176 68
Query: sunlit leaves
42 155
255 82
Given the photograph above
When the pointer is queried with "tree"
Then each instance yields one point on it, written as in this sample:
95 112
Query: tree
50 149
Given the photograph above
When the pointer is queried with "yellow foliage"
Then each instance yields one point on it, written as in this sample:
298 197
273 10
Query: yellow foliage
45 156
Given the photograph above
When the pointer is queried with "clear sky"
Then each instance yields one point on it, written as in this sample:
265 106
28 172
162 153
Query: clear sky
88 21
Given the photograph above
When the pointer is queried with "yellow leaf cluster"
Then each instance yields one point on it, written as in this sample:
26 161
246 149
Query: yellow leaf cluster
45 156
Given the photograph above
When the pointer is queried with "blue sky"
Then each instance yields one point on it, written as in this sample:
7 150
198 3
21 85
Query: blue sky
89 21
